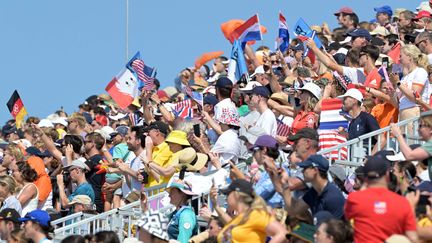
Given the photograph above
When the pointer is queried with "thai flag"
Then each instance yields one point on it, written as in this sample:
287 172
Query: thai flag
183 109
330 121
282 129
143 72
283 33
248 31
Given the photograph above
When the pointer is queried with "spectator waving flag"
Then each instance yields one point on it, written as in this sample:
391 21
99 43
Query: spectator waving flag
237 65
330 121
183 109
283 33
144 73
282 128
249 31
302 28
123 88
16 108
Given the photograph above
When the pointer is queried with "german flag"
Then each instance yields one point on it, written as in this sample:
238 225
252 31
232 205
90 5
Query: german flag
17 108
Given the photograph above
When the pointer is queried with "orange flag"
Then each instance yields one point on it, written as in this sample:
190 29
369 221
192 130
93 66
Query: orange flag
229 26
204 58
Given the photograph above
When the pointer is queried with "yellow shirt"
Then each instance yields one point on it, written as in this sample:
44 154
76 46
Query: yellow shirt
161 155
253 230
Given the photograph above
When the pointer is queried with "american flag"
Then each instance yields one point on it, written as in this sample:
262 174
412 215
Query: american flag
183 109
144 74
282 129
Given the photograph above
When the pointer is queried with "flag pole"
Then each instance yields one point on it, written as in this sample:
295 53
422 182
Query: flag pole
127 29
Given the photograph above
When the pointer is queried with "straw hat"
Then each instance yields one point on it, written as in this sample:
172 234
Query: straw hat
280 97
192 160
177 137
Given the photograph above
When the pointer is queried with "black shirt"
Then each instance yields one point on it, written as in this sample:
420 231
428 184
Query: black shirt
96 180
330 199
362 124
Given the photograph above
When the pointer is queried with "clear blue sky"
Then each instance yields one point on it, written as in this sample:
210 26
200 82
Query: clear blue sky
57 53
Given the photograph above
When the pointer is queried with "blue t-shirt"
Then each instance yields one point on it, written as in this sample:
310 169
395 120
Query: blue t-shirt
330 199
83 189
362 124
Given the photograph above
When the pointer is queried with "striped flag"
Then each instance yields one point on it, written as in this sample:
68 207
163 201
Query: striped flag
143 72
16 108
282 129
183 109
330 120
283 37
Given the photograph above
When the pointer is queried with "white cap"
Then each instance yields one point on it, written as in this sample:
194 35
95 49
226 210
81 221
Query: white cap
60 120
81 199
77 164
353 93
118 116
250 86
210 89
45 123
380 30
312 88
258 70
105 132
397 157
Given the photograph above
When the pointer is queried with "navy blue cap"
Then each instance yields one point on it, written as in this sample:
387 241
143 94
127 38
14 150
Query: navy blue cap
36 152
224 82
317 161
210 100
8 129
262 91
360 33
377 166
384 9
322 216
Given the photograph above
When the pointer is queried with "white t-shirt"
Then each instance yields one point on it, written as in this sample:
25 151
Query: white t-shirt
134 164
418 76
267 121
356 75
430 58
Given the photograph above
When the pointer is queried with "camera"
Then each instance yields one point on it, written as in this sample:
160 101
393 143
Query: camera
66 177
145 176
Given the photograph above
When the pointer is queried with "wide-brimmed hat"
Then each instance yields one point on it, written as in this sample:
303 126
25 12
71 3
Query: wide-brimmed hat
280 97
177 137
229 117
190 159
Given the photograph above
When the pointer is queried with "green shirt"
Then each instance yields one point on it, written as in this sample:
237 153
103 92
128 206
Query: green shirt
428 147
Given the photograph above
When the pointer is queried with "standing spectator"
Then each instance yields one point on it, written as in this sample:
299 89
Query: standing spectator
383 15
224 87
424 43
77 172
368 56
347 18
414 84
359 38
377 212
93 145
309 96
267 120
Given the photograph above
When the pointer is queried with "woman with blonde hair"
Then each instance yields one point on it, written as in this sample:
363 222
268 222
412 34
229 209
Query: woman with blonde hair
252 221
414 84
7 193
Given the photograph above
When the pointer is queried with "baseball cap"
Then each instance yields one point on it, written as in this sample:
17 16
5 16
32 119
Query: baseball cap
344 10
380 30
422 14
261 91
384 9
305 133
376 166
317 161
360 33
249 86
122 130
161 126
77 164
81 199
106 132
10 214
45 123
353 93
9 129
223 82
36 152
239 185
210 100
313 89
266 141
258 70
183 186
39 216
338 171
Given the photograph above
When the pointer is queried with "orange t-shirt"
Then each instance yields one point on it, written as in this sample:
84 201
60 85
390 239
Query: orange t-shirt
373 79
43 182
385 114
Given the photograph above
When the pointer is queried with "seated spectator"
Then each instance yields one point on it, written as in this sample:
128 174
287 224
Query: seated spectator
37 226
7 194
9 221
81 203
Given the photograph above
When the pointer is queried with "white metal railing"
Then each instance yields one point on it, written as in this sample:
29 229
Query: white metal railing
123 219
362 146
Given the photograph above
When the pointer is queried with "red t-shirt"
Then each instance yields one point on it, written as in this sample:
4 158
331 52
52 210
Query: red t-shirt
373 79
303 120
377 213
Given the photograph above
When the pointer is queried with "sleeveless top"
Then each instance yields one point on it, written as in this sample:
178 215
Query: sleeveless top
32 204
